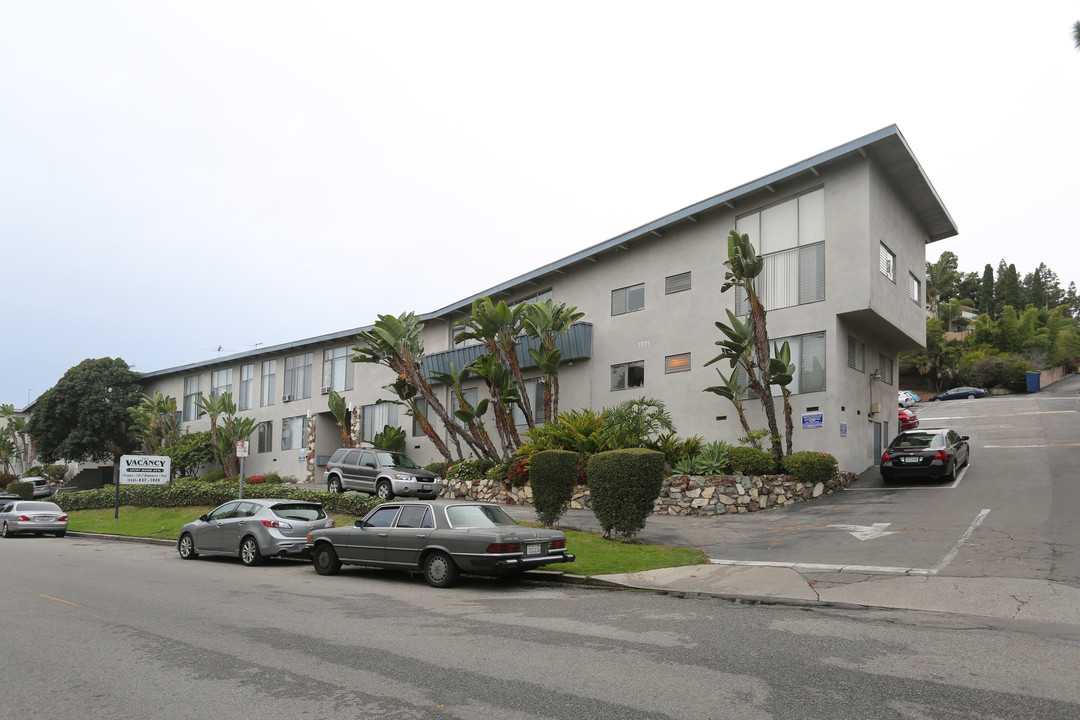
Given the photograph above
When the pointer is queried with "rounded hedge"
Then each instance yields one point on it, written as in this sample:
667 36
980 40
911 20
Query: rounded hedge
624 485
750 461
553 475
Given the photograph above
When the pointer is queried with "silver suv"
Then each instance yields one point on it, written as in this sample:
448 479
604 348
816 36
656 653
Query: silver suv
380 472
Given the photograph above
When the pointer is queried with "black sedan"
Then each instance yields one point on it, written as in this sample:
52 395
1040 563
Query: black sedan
441 539
926 453
957 393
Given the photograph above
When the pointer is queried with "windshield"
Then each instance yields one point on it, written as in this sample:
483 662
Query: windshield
391 459
478 516
917 441
39 506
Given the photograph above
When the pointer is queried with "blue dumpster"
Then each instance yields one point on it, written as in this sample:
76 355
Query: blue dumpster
1033 382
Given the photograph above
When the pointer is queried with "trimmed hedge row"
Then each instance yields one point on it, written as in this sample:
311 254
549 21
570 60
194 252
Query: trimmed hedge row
624 485
186 493
553 475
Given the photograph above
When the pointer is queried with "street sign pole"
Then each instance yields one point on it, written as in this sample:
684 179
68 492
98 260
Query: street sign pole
241 452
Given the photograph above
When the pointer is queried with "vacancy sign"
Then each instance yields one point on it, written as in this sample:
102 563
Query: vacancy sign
145 469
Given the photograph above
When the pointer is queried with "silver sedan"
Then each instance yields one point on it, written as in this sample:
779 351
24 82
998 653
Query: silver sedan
32 516
253 529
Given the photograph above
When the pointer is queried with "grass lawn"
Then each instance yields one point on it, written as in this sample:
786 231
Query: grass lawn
595 555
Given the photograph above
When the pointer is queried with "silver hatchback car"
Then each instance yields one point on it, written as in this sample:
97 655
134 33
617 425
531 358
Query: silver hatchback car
31 516
253 529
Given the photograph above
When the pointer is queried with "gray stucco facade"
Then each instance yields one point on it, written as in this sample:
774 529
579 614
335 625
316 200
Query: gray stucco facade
851 224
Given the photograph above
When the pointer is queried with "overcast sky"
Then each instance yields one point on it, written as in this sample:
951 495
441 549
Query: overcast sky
179 176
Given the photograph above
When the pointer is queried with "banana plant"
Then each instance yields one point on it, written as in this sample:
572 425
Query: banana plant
546 321
782 373
391 438
477 438
731 390
341 412
504 397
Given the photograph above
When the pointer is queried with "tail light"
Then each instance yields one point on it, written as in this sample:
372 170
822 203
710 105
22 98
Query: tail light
330 523
24 518
62 517
277 524
941 455
504 547
558 544
886 458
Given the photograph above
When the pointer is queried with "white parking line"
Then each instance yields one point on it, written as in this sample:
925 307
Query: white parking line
963 539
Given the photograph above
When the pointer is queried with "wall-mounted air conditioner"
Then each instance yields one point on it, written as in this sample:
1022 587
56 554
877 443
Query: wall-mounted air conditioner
326 390
286 398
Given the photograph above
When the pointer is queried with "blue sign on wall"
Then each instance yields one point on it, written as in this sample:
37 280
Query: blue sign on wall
813 420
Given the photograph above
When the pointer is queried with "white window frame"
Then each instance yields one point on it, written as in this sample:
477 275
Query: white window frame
297 384
887 262
220 382
623 300
885 369
267 382
803 347
294 432
264 437
677 363
856 354
677 283
376 417
337 369
622 375
535 389
247 386
914 290
192 394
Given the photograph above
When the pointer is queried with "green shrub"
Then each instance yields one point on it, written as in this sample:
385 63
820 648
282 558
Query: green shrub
190 452
25 490
469 469
499 472
35 471
750 461
624 485
519 469
273 479
553 475
714 459
809 467
55 473
6 480
439 468
213 476
391 438
186 493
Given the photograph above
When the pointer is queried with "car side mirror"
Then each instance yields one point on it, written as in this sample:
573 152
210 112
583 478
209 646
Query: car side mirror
963 437
205 517
359 523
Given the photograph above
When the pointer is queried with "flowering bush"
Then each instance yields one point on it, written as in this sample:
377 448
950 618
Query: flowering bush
583 470
519 470
257 479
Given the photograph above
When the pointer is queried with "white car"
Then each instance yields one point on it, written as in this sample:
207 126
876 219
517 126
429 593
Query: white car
29 516
906 398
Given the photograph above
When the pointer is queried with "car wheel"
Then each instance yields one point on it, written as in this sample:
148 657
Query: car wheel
326 560
334 485
186 547
384 491
5 532
61 533
971 397
440 570
249 552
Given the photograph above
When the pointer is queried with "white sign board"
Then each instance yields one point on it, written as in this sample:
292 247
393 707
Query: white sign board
241 448
145 469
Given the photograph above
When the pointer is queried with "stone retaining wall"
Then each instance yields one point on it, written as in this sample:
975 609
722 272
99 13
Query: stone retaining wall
681 495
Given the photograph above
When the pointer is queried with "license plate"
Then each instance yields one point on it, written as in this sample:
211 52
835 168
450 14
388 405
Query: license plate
425 488
42 518
532 549
910 459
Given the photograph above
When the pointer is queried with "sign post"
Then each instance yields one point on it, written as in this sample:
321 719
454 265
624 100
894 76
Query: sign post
241 452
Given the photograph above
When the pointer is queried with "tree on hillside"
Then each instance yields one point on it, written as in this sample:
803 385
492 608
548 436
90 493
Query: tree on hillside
986 292
1076 34
968 290
1007 287
84 417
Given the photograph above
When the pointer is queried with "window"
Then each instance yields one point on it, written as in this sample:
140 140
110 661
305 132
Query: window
192 394
535 389
269 372
247 383
887 262
628 299
293 436
220 382
335 370
266 437
376 417
914 289
677 283
808 356
677 363
297 377
856 354
790 237
628 375
537 297
422 408
470 397
885 369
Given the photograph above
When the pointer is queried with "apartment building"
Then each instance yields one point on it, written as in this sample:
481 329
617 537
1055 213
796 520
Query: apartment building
843 235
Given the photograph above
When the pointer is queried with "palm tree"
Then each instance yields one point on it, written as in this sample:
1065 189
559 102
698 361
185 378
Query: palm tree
497 326
546 321
941 279
1076 34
